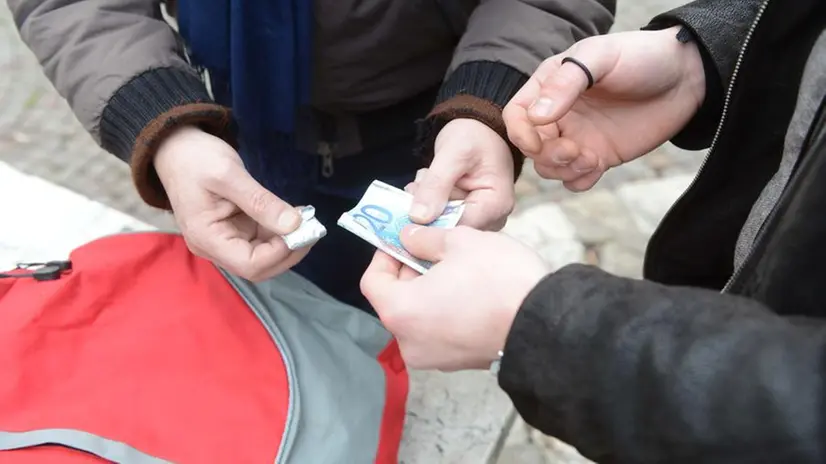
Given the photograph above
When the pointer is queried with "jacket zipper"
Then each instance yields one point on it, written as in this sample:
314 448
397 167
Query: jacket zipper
736 273
325 150
726 103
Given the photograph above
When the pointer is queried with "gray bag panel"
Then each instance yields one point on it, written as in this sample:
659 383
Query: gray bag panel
330 349
111 450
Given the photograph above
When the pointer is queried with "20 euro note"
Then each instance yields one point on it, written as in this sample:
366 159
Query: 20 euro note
382 213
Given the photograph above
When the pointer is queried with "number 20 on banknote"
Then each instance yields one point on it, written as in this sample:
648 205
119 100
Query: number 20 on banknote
381 215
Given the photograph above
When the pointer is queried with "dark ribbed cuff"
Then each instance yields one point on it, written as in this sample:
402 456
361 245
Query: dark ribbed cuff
475 90
145 110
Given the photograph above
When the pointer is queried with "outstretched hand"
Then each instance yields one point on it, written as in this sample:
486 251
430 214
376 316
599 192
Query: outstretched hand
457 315
647 86
223 213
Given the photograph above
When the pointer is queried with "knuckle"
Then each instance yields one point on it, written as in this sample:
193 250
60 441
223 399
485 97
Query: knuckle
193 248
508 115
366 287
391 320
254 273
223 170
232 268
564 79
413 357
461 148
243 271
395 315
545 171
193 240
233 265
436 183
185 228
553 60
261 201
499 225
514 117
516 138
508 205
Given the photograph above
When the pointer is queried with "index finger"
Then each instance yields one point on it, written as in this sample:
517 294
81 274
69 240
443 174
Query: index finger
435 187
521 129
263 206
248 259
380 280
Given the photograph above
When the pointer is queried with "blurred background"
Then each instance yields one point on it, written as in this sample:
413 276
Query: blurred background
608 226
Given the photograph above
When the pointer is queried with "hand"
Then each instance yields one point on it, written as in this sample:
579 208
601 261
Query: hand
471 162
648 85
458 314
224 214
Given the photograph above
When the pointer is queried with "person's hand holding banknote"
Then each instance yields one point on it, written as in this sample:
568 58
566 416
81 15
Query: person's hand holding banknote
470 162
381 215
458 314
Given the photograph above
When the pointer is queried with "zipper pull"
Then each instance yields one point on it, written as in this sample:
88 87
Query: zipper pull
51 270
326 153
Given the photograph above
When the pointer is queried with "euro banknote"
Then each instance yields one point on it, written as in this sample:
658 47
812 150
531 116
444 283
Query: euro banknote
382 213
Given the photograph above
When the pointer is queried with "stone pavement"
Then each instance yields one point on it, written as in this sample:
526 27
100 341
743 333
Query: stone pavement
608 226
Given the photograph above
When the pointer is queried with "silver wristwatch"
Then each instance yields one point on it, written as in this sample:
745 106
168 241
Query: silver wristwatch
494 366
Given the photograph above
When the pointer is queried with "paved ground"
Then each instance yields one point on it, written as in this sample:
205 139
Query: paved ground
608 226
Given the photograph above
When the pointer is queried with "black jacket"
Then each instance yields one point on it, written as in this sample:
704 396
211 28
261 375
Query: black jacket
671 370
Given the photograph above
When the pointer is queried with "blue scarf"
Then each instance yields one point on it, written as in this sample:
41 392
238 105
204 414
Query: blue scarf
258 54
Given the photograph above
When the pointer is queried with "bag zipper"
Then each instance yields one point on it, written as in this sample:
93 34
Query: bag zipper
724 116
291 426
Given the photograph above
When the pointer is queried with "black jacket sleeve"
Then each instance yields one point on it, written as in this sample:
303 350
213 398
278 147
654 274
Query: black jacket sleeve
720 28
630 371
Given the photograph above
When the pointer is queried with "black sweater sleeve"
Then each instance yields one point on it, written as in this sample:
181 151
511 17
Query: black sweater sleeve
631 371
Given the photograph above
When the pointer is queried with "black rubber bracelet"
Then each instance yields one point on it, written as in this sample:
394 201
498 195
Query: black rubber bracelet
582 66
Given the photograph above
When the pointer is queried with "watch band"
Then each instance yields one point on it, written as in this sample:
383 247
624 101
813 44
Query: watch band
494 366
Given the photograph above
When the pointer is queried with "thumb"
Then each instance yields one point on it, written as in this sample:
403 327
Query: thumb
582 66
434 189
260 204
428 243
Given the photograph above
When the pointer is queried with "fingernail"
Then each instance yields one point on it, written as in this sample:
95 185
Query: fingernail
418 210
288 220
582 165
542 107
412 230
559 161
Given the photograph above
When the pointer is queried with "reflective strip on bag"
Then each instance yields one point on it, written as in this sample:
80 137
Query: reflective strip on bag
111 450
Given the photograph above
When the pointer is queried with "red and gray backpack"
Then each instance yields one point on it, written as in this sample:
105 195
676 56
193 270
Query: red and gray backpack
135 351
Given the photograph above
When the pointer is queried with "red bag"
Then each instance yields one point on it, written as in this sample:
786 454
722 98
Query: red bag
145 353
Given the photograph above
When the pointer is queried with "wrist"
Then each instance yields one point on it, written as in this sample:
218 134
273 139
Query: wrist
476 90
693 70
479 133
510 310
171 145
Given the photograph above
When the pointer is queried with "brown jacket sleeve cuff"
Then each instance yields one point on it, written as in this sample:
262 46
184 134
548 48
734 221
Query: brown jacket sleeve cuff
145 110
209 117
477 90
